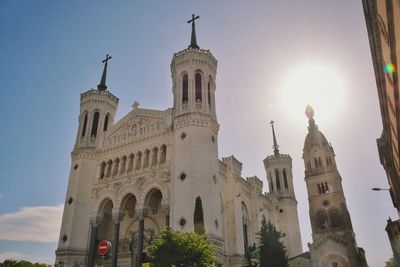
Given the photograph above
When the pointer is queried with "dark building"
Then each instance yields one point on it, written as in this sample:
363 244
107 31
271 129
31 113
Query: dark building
383 23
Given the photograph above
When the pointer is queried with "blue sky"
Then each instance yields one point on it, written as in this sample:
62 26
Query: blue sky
51 52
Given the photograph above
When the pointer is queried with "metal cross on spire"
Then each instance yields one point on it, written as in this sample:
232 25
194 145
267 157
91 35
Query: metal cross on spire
275 147
193 41
102 86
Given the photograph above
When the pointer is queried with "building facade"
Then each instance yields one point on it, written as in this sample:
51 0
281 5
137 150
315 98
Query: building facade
161 168
383 24
334 243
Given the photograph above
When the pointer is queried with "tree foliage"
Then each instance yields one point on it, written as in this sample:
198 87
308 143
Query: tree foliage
22 263
271 251
174 248
392 263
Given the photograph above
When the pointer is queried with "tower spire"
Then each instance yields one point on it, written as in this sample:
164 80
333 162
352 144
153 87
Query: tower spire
276 147
102 86
310 115
193 41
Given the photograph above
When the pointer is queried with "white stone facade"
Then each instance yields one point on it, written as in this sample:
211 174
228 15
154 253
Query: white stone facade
162 168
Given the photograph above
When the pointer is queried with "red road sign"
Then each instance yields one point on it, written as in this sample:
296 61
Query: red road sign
104 247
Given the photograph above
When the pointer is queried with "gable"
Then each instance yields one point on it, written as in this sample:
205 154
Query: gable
138 124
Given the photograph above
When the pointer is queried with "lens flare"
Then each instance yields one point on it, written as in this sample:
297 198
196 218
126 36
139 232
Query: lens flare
389 68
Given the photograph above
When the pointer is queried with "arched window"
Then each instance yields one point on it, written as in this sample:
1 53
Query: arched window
209 91
316 162
319 189
163 155
278 183
116 166
85 118
308 165
185 85
154 158
334 217
198 218
102 170
326 187
123 164
327 161
319 162
323 188
138 161
285 182
106 119
322 220
245 221
130 164
198 87
109 166
95 124
146 158
272 183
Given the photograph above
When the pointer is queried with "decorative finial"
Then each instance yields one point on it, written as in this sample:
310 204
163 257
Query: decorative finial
310 115
193 41
102 86
135 105
275 147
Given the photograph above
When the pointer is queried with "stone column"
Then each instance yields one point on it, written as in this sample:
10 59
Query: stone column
166 213
142 215
94 222
117 223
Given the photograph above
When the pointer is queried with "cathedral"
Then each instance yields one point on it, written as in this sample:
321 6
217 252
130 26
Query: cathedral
161 168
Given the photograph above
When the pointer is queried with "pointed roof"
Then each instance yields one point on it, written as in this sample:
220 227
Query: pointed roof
275 146
193 40
102 86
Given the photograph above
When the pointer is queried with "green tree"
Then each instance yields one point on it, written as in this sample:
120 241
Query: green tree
22 263
391 263
174 248
271 251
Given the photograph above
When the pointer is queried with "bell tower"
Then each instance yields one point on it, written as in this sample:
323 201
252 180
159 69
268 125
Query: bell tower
334 242
280 181
193 73
97 111
195 196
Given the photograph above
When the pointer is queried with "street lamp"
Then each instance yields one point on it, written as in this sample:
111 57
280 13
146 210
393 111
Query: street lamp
379 189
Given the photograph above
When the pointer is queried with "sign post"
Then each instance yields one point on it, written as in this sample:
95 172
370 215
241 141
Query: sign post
104 247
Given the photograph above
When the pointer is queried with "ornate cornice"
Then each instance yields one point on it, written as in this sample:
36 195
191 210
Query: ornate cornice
92 92
196 120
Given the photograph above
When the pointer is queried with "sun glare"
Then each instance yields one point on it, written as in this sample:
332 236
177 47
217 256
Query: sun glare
314 84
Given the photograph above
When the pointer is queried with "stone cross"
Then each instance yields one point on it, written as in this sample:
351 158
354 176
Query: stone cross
106 59
193 19
193 40
102 86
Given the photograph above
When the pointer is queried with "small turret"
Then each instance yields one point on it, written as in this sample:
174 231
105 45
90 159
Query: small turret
193 72
97 113
280 180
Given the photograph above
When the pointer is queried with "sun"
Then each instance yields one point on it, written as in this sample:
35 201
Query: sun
320 86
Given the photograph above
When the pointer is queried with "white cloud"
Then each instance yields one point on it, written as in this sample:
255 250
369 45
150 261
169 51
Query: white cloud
38 224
